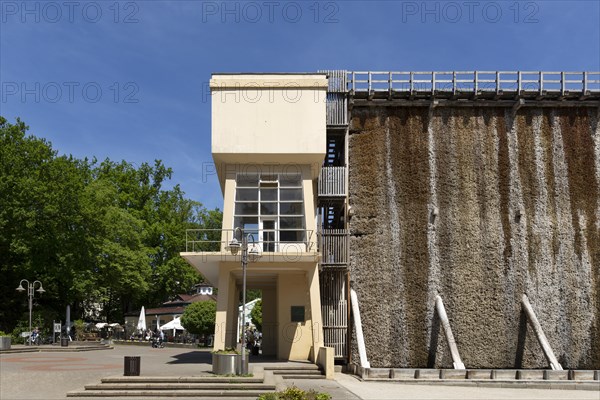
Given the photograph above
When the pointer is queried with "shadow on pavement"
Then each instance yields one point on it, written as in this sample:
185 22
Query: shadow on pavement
192 357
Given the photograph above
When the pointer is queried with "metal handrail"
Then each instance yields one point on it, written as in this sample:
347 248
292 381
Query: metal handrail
474 81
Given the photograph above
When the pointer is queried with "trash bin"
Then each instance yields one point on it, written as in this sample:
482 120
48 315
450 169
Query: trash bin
64 342
132 366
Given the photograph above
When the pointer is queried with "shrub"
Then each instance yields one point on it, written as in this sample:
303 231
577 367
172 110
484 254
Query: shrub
229 350
293 393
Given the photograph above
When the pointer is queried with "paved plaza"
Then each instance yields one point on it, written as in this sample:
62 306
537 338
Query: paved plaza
50 375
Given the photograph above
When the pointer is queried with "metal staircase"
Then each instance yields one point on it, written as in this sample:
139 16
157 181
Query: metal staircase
333 211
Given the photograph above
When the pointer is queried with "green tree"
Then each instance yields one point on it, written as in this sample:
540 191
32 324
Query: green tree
199 318
105 233
256 315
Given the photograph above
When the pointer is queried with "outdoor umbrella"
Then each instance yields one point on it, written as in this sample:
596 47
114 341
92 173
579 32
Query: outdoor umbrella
141 326
175 324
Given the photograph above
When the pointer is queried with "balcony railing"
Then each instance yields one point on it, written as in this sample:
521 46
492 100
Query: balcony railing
333 246
332 182
474 83
216 240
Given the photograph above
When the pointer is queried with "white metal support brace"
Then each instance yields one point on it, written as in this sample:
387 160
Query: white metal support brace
539 333
456 360
362 351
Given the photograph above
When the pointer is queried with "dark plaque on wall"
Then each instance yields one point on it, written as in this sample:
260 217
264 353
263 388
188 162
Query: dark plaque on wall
297 313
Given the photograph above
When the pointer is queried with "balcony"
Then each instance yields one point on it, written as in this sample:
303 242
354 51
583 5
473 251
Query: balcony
205 250
332 182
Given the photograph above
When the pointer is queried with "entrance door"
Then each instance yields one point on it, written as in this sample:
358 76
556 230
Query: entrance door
268 234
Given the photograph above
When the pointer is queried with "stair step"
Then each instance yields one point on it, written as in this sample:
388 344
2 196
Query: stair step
181 386
293 368
159 393
182 379
303 376
297 372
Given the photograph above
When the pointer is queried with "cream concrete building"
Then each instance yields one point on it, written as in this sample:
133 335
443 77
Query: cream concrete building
268 144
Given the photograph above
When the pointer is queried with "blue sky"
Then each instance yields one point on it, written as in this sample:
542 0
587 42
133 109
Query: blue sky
127 79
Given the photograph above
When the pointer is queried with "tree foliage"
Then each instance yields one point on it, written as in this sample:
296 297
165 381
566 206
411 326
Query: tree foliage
199 318
256 315
95 233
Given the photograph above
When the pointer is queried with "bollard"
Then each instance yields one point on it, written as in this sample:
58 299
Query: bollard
132 366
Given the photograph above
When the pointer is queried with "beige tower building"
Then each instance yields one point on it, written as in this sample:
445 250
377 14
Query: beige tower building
268 145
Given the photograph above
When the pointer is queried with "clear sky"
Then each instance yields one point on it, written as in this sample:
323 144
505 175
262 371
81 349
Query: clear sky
128 79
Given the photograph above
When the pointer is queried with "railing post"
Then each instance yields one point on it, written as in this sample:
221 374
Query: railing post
453 82
563 84
497 82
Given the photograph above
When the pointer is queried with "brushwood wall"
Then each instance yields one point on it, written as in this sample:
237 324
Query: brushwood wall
479 205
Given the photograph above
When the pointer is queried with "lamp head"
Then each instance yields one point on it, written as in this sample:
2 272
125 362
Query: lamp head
41 289
254 253
234 246
20 288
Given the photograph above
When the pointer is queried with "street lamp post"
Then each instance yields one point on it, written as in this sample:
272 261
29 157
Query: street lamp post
30 292
254 254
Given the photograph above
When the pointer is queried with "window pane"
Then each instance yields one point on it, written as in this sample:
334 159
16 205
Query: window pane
291 194
248 224
291 222
268 208
268 194
246 208
269 224
291 208
291 236
250 180
268 178
246 194
290 180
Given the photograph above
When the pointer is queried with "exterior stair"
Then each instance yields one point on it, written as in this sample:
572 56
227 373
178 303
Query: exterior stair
307 371
193 386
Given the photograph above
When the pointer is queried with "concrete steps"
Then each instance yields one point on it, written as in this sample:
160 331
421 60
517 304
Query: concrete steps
49 348
184 386
247 393
307 371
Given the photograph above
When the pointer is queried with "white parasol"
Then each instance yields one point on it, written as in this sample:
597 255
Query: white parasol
175 324
141 325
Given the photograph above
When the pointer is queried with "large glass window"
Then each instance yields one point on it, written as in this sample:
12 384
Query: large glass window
271 208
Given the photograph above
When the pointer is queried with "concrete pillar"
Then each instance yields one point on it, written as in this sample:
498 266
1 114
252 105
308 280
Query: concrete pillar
295 338
222 308
269 328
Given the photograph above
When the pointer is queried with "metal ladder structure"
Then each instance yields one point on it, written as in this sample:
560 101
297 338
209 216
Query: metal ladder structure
332 203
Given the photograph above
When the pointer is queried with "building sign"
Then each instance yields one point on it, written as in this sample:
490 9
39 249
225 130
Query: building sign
297 313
